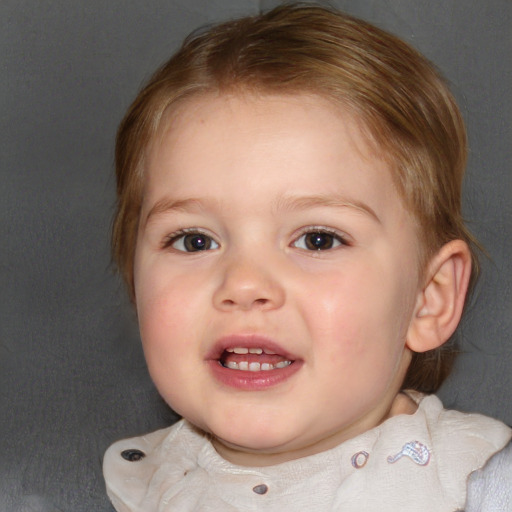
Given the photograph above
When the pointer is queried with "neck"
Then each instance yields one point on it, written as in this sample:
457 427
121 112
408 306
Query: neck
241 456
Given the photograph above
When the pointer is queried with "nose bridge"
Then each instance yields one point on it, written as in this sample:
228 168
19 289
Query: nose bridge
248 281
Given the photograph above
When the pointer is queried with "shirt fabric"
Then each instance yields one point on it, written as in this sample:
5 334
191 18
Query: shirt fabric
419 462
490 488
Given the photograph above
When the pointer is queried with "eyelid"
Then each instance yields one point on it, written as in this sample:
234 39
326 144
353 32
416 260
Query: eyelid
173 237
341 236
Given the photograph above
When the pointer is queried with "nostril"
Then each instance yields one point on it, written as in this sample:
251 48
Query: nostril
245 304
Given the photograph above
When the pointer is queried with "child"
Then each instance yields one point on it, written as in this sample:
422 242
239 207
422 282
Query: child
289 227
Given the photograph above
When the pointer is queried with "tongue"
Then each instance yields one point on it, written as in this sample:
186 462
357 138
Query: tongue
228 357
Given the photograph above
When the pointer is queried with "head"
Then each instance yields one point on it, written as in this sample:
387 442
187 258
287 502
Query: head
402 108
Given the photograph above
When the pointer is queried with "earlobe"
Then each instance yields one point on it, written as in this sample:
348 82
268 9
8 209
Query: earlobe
441 301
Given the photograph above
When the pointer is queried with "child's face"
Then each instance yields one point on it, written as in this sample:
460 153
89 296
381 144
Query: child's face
267 224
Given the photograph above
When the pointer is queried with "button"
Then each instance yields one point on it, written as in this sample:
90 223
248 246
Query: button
132 455
260 489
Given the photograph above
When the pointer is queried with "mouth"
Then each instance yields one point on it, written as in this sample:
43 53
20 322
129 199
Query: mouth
252 359
251 362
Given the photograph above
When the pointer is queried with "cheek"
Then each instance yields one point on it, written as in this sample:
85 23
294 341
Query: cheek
166 306
167 327
362 310
161 290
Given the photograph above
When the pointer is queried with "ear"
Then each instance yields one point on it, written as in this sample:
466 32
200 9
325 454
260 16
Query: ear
440 303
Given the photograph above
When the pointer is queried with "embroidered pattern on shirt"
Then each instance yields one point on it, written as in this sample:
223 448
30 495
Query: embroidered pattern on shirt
360 459
415 450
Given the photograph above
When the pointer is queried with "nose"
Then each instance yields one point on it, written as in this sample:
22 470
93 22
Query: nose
248 284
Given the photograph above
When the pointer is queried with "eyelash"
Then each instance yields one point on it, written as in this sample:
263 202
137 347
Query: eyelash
338 238
336 241
175 237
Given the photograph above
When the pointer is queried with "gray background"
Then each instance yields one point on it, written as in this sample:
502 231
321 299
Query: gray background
72 376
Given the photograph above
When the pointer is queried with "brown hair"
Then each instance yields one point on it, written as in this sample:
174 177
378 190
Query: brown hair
405 107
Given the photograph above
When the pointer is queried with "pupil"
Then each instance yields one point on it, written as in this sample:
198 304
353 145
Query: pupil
317 241
196 243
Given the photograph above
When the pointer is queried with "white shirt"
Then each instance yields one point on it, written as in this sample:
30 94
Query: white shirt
490 488
417 463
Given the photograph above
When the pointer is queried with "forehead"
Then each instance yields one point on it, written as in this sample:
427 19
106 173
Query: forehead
255 141
246 105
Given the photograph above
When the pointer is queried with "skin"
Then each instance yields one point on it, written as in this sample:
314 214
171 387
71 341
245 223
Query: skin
253 174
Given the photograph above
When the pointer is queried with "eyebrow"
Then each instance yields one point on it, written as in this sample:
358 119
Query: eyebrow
170 205
286 203
297 203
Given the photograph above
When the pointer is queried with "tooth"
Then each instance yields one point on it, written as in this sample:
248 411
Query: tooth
233 365
240 350
255 351
229 350
267 366
243 365
282 364
269 352
254 367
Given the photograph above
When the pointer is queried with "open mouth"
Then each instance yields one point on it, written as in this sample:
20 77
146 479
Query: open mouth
253 359
251 362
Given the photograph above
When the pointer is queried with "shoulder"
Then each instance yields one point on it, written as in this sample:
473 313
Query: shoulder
458 444
460 438
490 488
130 466
464 434
420 461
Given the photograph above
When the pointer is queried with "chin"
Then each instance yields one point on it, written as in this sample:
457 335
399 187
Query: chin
258 440
263 448
237 428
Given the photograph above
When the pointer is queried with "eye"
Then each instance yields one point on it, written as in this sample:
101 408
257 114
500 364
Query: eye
191 241
319 240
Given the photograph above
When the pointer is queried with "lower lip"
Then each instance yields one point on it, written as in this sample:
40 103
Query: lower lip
252 381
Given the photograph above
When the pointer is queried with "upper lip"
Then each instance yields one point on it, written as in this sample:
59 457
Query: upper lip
248 341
